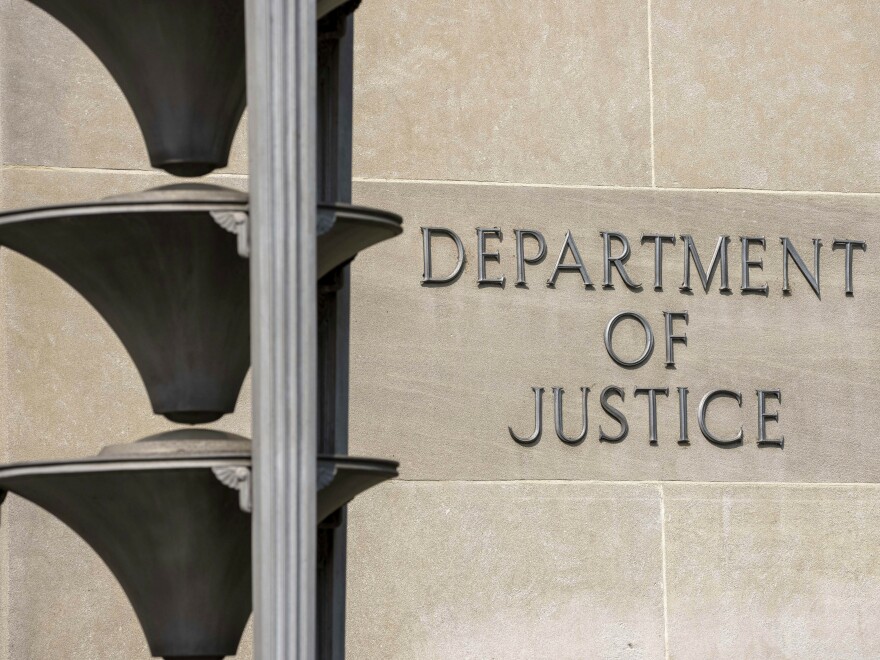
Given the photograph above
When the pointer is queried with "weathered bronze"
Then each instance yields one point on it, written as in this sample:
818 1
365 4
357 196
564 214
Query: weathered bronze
181 66
344 230
169 515
342 7
165 270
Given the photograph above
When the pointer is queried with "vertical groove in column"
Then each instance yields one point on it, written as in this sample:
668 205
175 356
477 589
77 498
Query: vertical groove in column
281 111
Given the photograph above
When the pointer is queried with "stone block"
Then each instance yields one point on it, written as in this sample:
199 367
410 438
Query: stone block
482 91
505 570
774 95
764 571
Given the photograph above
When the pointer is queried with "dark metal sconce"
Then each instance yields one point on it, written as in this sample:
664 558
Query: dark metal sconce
181 66
166 269
169 515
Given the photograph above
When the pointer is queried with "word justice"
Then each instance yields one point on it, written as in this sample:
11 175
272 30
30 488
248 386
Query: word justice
531 249
730 439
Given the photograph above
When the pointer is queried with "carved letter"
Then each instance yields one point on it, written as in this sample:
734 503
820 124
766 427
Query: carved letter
683 416
652 393
668 318
428 275
578 265
521 259
614 413
557 412
763 416
848 259
609 339
659 240
701 418
536 434
748 263
720 255
789 251
616 262
483 256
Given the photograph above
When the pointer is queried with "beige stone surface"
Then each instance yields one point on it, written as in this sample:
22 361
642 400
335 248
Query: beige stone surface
60 106
505 570
780 95
439 373
772 571
65 603
557 93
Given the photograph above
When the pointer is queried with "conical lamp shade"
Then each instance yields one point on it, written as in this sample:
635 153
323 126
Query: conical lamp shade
180 65
166 277
168 522
165 271
344 230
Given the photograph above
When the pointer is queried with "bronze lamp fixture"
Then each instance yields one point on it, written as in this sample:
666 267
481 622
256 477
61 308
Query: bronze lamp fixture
180 66
167 270
170 516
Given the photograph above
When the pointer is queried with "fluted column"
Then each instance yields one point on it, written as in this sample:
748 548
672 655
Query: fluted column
281 105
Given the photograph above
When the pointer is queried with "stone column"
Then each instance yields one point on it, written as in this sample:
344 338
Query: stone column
282 101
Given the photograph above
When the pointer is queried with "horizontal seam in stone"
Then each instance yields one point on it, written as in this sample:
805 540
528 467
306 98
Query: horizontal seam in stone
574 186
462 182
599 482
110 170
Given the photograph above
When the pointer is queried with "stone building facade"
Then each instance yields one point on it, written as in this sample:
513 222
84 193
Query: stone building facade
743 119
